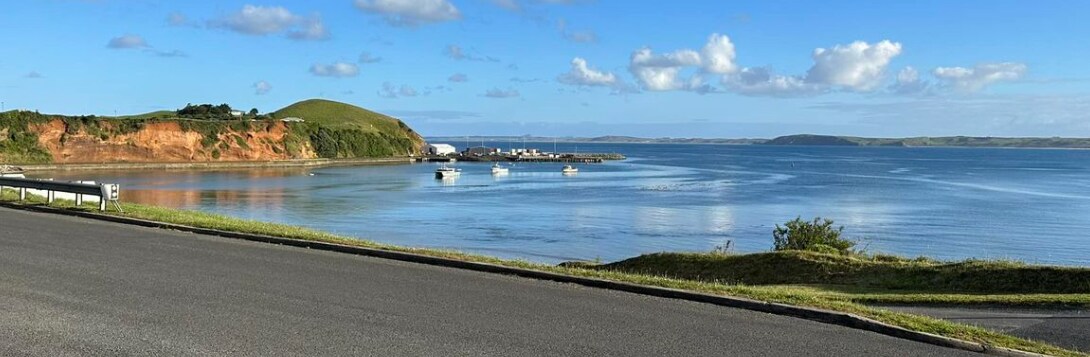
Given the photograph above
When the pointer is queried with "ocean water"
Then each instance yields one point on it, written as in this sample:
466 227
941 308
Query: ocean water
950 203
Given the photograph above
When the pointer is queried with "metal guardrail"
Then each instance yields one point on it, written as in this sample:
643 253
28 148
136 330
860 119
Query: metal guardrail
107 192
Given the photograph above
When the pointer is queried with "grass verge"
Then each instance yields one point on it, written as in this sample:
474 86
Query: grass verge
808 296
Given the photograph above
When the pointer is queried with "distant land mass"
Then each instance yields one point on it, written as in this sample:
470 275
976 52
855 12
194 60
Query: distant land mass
801 139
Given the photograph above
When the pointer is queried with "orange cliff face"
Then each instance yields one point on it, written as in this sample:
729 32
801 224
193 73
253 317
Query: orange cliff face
165 142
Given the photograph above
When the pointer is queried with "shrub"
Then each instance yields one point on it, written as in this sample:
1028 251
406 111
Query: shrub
818 235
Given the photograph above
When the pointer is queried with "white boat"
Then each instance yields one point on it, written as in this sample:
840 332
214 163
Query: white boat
499 170
447 172
569 170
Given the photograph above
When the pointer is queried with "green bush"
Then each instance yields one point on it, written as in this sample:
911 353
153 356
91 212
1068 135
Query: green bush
818 235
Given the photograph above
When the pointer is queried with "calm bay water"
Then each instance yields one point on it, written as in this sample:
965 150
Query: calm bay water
1031 205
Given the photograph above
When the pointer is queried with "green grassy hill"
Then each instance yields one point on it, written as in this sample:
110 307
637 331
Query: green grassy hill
339 130
337 115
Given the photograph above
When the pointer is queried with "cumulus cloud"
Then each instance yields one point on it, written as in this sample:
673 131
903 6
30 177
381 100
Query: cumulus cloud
718 55
458 78
367 57
858 66
266 20
336 69
908 82
262 87
410 12
979 76
663 72
660 72
502 93
389 90
583 75
127 42
33 75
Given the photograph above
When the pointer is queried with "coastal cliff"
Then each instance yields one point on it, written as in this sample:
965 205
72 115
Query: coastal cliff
306 130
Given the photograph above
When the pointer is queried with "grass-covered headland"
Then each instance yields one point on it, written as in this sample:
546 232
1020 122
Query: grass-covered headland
807 270
329 130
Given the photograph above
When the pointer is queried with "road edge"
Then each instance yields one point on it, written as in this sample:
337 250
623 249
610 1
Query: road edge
812 314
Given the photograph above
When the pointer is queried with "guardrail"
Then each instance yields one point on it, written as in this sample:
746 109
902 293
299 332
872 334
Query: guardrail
107 192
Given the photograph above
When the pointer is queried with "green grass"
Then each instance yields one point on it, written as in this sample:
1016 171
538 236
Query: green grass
844 300
860 271
337 115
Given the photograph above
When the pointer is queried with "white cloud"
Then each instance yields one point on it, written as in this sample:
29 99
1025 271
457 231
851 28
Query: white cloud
858 66
760 81
259 20
908 82
660 72
266 20
582 75
502 93
33 75
262 87
718 55
458 78
127 41
411 12
980 76
336 69
663 72
367 57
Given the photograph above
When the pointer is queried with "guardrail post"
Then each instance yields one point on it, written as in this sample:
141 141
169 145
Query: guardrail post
102 203
79 200
49 196
22 193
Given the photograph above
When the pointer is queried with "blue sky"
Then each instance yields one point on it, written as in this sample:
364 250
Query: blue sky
572 67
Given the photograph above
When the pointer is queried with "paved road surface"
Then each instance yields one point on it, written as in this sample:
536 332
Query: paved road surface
1064 328
71 286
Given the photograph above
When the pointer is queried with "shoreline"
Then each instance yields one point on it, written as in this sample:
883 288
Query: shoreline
214 165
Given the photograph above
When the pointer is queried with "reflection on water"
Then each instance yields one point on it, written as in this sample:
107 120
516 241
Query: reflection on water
948 203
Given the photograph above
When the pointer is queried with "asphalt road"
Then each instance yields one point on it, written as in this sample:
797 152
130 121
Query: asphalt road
1064 328
72 286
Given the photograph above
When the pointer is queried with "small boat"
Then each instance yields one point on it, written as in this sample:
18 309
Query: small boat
569 170
447 172
499 170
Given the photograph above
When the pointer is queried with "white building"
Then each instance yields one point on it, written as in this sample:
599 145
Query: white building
439 149
292 120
